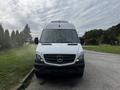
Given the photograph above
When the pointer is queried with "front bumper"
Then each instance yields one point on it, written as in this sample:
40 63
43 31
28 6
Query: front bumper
49 69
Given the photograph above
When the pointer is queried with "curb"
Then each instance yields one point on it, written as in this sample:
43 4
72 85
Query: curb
23 84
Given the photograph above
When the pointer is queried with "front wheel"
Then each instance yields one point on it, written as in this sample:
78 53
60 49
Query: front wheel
80 73
38 75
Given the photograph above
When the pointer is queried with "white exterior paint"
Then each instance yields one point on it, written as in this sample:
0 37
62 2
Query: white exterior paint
59 48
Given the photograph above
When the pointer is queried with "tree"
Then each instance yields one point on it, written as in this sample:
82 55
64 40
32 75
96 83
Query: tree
1 36
13 39
21 39
81 40
26 33
7 39
108 36
17 37
93 36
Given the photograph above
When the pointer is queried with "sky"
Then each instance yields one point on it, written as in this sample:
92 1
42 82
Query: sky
84 14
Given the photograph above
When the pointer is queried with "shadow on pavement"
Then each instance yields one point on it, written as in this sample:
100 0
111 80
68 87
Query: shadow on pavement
61 80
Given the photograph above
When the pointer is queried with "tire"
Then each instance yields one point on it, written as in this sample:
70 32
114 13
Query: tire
81 73
38 75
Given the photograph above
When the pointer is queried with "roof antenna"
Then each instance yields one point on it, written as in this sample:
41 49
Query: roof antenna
59 25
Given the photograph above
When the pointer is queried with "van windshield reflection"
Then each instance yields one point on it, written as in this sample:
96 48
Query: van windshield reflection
59 36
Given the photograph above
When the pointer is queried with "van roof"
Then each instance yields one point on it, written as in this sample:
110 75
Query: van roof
59 25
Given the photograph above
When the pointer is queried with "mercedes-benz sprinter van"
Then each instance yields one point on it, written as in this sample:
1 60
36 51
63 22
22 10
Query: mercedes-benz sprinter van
59 50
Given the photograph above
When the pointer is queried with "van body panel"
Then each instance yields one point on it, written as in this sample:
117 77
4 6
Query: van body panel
58 48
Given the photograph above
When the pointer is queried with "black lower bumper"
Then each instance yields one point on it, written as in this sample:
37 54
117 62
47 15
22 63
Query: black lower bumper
49 69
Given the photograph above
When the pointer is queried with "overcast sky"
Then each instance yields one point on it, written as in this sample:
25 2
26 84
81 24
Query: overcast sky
84 14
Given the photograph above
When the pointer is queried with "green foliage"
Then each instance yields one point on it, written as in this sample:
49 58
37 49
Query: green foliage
93 37
13 42
103 48
6 39
26 33
109 36
14 65
1 36
16 39
22 39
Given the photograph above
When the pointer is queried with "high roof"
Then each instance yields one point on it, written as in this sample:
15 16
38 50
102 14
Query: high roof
59 25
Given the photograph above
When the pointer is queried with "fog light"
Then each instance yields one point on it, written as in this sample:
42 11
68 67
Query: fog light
77 60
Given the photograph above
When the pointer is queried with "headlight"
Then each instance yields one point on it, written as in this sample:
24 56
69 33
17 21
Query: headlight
38 57
80 57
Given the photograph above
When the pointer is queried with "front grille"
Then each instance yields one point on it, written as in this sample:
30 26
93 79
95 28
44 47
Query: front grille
59 58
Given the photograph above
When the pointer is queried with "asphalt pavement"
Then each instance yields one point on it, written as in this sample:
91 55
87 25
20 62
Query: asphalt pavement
102 72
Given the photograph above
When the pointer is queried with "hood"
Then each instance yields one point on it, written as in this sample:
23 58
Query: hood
58 48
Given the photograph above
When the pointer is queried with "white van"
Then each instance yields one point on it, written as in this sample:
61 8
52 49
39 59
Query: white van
59 50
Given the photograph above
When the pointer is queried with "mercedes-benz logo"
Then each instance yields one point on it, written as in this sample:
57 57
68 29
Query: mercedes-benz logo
59 58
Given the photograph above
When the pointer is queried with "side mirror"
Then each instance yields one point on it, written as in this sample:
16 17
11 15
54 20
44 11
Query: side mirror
36 41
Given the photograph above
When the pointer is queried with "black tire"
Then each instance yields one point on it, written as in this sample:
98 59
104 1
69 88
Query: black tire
81 73
38 75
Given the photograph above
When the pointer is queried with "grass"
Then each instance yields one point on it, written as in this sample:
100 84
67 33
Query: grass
103 48
14 65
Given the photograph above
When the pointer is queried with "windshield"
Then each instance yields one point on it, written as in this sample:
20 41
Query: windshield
59 36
